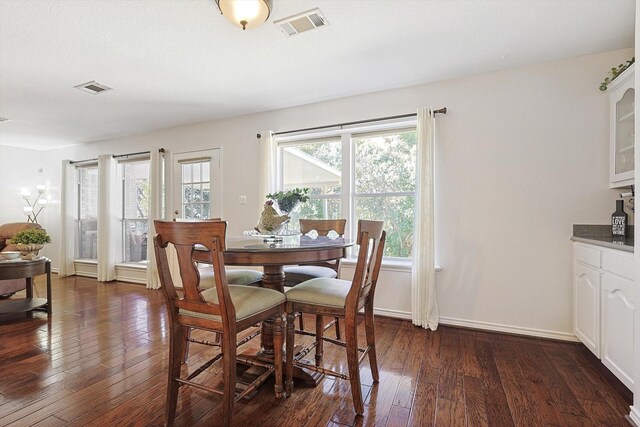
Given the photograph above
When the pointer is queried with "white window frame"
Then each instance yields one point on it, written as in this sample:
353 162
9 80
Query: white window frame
121 173
78 220
348 194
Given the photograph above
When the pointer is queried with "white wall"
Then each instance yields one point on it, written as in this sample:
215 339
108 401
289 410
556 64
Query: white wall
522 155
19 169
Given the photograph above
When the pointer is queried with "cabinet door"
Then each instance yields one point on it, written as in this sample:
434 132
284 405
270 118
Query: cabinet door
586 311
622 129
617 326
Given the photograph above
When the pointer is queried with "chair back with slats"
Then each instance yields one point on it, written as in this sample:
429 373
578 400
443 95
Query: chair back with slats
323 227
371 239
184 236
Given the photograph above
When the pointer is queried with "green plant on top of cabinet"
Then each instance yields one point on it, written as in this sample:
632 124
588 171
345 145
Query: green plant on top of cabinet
622 132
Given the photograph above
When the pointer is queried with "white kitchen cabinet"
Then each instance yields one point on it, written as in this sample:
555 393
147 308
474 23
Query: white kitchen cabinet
622 129
618 305
586 314
604 305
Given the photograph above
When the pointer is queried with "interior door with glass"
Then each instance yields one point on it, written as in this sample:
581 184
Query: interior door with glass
196 185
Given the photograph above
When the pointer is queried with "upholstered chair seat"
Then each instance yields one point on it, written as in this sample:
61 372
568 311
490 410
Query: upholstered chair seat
321 292
301 273
248 301
234 277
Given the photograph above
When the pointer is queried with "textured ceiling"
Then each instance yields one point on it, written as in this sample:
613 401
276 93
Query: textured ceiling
174 62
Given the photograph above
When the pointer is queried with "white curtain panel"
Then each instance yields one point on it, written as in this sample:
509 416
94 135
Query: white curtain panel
155 212
424 305
109 225
67 220
268 156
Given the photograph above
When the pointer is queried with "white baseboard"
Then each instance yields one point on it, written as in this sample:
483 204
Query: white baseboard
634 415
392 313
128 274
485 326
518 330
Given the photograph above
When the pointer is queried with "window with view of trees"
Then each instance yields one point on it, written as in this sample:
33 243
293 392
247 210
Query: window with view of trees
86 238
135 210
357 176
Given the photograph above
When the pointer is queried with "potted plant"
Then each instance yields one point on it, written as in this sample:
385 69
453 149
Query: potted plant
615 72
288 200
29 241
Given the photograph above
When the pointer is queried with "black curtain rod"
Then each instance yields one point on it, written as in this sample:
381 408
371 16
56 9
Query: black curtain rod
161 150
359 122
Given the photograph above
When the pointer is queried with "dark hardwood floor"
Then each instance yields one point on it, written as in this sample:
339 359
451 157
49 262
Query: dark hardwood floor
101 360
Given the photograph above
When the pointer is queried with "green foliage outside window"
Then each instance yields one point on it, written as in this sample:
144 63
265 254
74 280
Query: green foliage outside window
383 164
386 164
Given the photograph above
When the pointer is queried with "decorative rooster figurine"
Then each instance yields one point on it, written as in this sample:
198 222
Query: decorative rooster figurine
270 220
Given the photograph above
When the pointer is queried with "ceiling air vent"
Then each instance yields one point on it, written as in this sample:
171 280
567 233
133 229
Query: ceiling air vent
302 22
93 87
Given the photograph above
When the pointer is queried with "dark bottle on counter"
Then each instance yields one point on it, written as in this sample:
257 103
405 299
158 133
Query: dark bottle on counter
619 220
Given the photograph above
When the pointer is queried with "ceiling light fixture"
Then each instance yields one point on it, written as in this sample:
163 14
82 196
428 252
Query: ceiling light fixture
245 13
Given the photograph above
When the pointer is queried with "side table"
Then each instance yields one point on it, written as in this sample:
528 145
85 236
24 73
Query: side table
26 269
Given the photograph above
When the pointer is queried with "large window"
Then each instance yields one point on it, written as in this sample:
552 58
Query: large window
135 210
87 214
356 175
316 166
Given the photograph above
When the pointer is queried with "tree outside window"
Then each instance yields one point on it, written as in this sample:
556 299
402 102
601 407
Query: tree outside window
379 182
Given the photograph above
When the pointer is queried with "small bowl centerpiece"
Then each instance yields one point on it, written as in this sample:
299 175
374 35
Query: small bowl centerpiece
29 241
10 255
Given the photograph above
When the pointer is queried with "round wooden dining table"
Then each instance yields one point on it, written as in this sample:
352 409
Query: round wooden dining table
272 253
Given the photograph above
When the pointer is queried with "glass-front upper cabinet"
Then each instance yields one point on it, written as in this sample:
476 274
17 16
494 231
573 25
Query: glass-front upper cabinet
622 129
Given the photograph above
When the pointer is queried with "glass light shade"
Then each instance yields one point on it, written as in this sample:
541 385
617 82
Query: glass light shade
25 193
43 201
40 187
245 13
27 209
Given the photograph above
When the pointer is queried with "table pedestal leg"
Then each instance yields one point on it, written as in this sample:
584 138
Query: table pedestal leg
273 278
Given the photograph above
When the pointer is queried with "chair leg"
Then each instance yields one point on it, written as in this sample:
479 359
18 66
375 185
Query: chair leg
175 361
288 386
277 353
371 340
301 321
229 376
338 329
319 340
351 335
186 334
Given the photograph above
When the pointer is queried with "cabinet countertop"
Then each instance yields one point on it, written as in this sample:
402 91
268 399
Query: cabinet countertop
600 235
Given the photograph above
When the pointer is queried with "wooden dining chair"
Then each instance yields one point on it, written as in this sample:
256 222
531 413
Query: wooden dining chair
224 309
343 299
234 276
295 275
